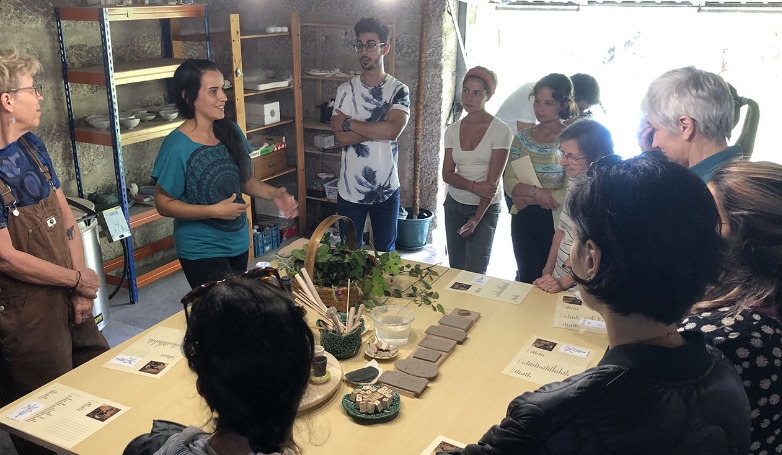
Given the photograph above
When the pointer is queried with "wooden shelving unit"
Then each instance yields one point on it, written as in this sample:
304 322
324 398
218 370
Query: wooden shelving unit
110 75
235 37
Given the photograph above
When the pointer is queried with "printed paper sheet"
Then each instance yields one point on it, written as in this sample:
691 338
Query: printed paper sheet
489 287
63 416
572 314
442 444
543 360
526 174
151 356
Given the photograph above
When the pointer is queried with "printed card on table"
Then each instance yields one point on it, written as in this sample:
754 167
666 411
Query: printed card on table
442 444
63 416
543 360
572 314
489 287
151 356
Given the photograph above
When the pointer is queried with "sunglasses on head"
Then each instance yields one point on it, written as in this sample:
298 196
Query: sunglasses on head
262 274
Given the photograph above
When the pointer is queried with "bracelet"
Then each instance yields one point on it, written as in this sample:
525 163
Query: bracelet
534 191
78 280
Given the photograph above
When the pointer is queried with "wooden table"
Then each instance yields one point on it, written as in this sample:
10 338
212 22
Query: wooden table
470 394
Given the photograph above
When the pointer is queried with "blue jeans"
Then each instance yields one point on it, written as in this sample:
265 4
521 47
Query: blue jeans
384 218
471 253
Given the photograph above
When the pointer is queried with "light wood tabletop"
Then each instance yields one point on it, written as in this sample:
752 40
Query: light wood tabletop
470 394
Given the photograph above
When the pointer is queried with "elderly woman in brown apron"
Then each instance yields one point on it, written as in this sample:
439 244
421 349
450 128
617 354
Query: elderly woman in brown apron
46 289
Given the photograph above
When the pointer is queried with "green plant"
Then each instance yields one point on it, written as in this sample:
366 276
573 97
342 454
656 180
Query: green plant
371 274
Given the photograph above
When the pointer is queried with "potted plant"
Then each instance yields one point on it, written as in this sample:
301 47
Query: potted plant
345 276
413 229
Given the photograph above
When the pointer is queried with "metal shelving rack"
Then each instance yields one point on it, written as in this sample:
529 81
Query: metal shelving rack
109 75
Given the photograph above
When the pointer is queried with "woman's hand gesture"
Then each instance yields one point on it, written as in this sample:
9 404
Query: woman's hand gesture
228 209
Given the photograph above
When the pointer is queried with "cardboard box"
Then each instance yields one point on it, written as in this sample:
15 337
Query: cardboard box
261 145
332 190
324 141
262 112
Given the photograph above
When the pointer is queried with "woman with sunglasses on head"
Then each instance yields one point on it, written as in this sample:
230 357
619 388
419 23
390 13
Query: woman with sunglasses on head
535 210
741 314
645 249
251 351
46 288
582 143
201 171
476 150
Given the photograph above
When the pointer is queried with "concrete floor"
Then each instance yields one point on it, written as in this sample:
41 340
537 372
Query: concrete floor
160 299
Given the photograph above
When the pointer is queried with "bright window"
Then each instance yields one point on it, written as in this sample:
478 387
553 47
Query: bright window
626 47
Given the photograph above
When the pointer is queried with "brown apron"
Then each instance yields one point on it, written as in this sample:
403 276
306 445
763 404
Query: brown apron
37 339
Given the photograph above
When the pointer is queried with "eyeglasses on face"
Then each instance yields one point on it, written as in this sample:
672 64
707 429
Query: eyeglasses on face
570 157
603 161
258 274
38 88
370 46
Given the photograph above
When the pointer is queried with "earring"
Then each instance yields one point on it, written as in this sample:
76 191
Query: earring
13 120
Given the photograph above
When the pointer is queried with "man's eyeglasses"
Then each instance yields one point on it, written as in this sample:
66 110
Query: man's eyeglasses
258 274
603 161
38 88
370 46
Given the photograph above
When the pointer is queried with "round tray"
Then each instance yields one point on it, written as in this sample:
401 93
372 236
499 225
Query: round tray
378 417
318 393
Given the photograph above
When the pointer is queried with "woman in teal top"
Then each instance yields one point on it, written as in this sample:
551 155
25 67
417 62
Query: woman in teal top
201 171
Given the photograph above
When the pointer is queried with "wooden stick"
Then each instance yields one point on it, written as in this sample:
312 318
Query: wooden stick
349 320
356 319
304 287
299 298
311 285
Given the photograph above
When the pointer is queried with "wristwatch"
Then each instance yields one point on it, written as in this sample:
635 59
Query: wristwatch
346 124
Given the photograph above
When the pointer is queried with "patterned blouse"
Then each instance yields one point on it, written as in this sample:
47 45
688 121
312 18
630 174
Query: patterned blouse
752 340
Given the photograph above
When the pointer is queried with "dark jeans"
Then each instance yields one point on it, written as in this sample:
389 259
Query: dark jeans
531 230
471 253
202 271
383 215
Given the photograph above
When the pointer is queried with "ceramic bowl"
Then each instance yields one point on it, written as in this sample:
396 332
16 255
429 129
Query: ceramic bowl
169 115
138 110
130 122
145 116
100 124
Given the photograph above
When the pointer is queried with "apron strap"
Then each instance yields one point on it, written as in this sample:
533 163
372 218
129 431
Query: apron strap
42 167
8 197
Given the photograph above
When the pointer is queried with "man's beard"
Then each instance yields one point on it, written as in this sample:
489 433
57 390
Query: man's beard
371 65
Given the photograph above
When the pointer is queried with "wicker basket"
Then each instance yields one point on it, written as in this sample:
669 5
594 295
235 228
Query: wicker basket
333 296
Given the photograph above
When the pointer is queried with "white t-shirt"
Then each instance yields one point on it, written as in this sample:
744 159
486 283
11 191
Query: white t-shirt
474 164
368 173
566 226
518 107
